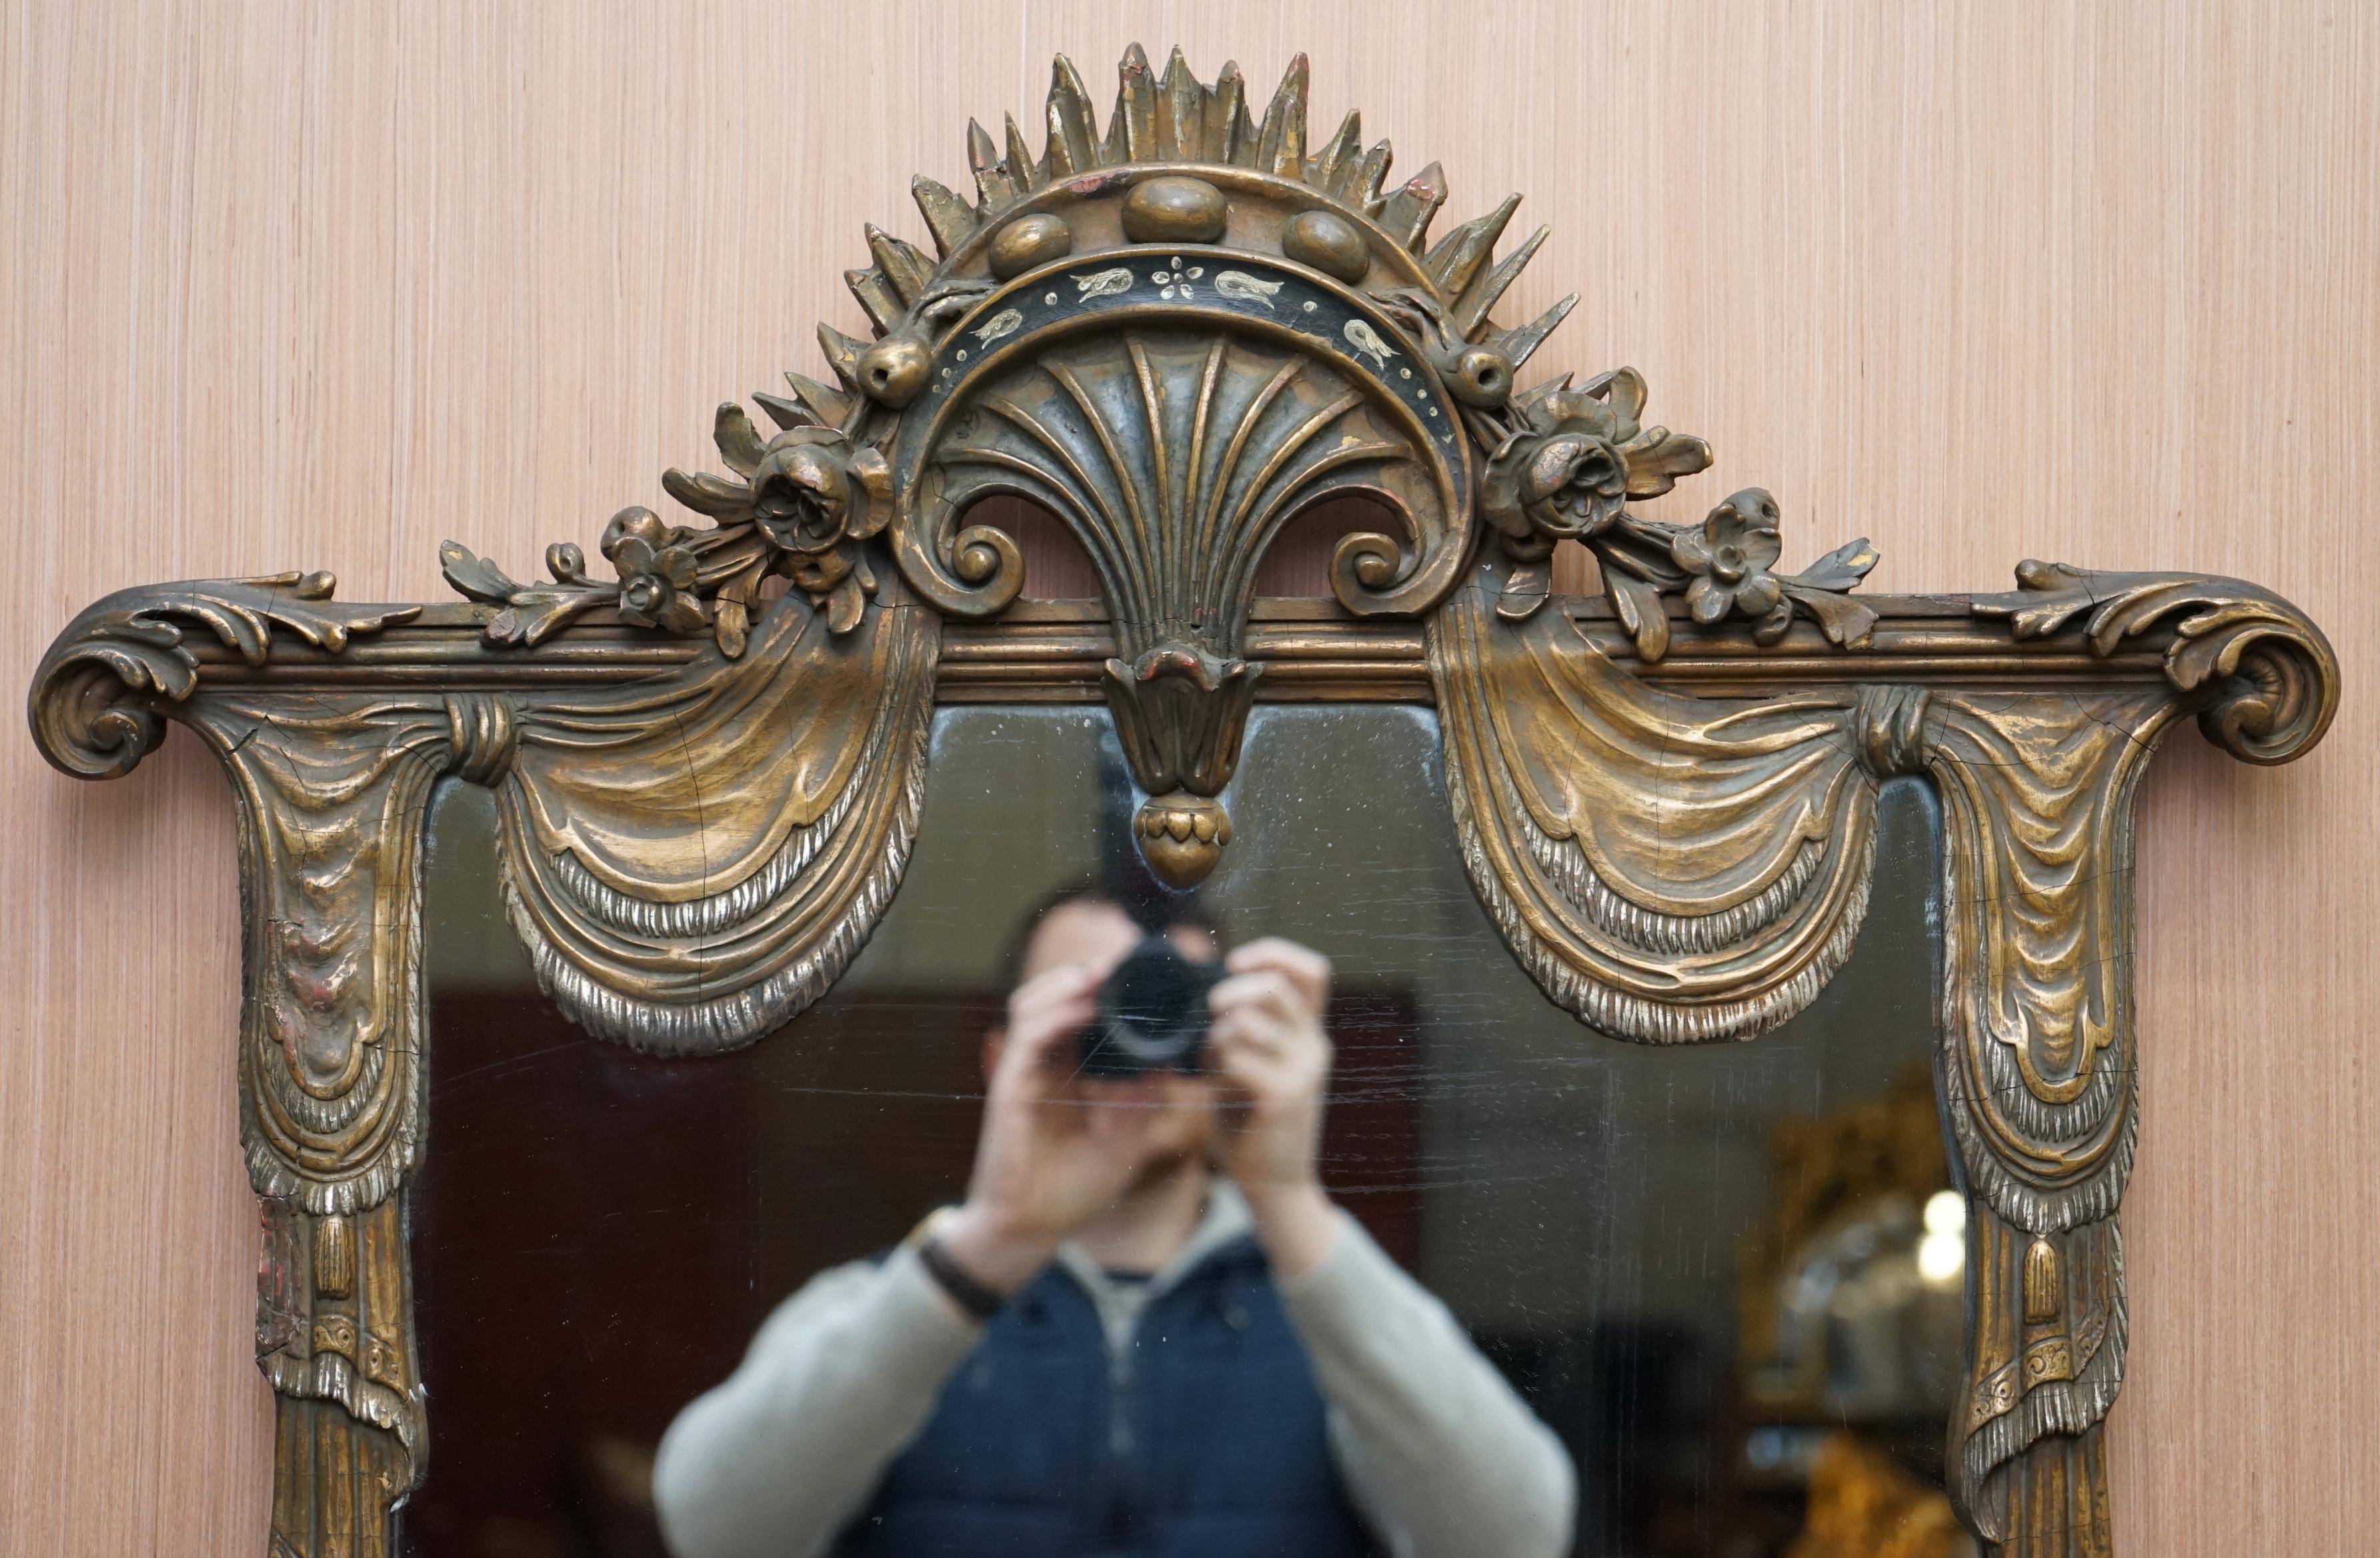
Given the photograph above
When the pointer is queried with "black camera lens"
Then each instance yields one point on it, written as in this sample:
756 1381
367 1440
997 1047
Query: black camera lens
1152 1013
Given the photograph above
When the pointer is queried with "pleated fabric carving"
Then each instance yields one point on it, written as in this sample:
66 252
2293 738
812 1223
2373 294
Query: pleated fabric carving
1671 869
691 862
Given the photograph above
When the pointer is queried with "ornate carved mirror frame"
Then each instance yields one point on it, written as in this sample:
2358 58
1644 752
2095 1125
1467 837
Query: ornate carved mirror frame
1175 334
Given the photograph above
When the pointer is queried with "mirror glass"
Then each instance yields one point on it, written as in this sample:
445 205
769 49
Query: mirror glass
1606 1299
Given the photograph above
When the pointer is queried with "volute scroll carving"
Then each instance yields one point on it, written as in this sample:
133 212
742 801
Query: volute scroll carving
1176 333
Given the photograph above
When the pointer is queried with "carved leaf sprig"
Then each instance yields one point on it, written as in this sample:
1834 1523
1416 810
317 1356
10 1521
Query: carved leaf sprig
802 504
1726 567
242 613
1563 464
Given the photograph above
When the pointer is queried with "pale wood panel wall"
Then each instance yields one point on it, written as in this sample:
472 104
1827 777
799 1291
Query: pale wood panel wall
289 286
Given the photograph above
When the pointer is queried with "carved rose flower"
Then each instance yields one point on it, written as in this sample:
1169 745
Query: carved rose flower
1731 557
1580 455
812 490
657 572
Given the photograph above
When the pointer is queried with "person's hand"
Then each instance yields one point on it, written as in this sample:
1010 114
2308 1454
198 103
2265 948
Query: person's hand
1267 1045
1056 1146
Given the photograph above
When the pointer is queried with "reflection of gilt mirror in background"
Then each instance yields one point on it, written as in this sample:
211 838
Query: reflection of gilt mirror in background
1727 1278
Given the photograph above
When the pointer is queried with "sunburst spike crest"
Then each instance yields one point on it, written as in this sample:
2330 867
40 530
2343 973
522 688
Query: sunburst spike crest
1112 151
948 218
1160 118
1280 145
903 262
1074 127
878 296
1519 345
993 188
1231 135
1133 125
825 405
841 355
1406 215
1182 116
1471 309
1023 171
1341 158
1369 175
788 415
1455 259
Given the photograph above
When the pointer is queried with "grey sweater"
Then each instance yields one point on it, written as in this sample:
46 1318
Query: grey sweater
1436 1454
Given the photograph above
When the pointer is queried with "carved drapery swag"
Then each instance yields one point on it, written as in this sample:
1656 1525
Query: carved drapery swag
1175 334
691 861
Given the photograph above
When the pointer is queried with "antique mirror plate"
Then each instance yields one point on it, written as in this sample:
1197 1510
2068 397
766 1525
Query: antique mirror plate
704 767
1709 1269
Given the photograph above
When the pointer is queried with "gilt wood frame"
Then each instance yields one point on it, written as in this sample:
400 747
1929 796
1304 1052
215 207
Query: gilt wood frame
1177 334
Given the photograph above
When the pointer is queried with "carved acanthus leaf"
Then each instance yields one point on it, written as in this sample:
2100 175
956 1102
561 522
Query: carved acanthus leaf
95 698
2268 676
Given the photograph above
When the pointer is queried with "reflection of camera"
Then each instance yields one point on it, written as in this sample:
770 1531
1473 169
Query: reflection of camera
1152 1013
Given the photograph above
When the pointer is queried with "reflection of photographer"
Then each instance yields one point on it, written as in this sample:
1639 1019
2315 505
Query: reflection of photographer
1146 1331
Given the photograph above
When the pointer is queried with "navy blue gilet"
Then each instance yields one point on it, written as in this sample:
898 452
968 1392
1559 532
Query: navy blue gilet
1206 1439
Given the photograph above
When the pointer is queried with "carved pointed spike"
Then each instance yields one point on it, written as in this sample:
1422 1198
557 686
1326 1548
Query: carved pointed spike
1370 177
1113 151
841 355
825 405
1339 162
993 191
1471 311
739 441
1244 138
1023 171
1074 126
1406 215
1280 145
883 255
1136 109
948 218
1182 116
1457 258
902 263
993 188
1059 161
1227 119
920 269
877 295
1519 345
788 415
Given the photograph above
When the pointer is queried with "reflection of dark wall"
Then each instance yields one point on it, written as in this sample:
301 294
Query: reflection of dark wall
596 1237
597 1234
551 1228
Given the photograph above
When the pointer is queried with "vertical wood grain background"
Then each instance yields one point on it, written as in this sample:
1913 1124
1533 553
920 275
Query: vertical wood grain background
289 286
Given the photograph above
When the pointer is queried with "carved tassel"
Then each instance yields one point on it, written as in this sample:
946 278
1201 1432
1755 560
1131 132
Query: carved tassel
334 1257
2044 1298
